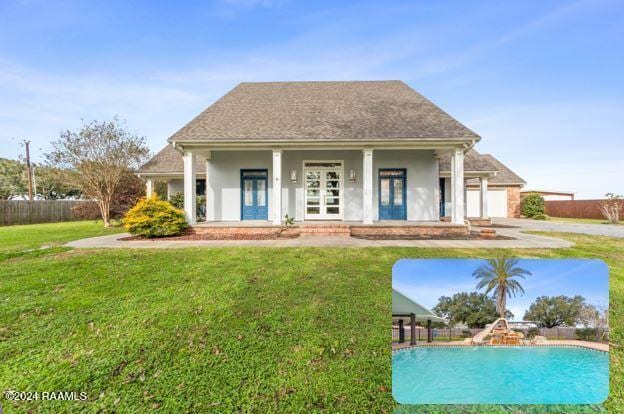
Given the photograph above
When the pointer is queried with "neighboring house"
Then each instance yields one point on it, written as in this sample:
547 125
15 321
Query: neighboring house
550 195
360 152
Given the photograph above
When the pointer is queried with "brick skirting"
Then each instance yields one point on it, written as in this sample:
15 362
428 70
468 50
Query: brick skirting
338 229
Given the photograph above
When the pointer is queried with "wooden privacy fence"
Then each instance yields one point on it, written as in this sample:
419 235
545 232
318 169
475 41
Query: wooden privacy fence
589 209
452 334
40 211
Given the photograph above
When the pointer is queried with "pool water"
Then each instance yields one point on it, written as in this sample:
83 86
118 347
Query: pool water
500 375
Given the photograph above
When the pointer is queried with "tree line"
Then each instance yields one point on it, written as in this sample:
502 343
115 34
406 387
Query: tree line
500 277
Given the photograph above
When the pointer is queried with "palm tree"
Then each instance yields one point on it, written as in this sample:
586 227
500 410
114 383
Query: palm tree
498 276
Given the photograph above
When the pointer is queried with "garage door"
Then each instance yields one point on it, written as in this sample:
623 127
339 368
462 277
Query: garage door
497 202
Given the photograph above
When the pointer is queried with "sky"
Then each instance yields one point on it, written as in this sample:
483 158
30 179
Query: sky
426 280
540 81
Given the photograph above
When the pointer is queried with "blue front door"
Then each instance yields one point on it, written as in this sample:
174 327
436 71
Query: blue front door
392 194
254 195
442 197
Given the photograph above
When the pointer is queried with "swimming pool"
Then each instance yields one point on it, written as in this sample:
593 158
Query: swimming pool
500 375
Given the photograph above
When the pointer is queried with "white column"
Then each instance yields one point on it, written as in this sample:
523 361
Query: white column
190 195
465 198
206 191
277 187
484 196
149 187
457 186
367 186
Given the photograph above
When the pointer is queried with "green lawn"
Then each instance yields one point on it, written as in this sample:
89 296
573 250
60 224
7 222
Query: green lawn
579 220
19 238
240 329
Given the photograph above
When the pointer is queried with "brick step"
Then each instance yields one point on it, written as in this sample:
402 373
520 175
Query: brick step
326 230
487 234
479 221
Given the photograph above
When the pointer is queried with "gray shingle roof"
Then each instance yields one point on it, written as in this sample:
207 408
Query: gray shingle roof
504 175
292 111
169 161
473 161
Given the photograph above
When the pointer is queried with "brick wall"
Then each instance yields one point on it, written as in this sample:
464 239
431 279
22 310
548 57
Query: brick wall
513 202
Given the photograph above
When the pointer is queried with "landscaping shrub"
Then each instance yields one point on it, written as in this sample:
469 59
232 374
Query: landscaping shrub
152 217
532 205
177 200
586 334
532 333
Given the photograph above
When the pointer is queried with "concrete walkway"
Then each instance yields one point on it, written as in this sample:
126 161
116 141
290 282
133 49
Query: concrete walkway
610 230
522 241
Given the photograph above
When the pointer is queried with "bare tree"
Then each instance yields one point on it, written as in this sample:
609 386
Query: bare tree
100 153
611 207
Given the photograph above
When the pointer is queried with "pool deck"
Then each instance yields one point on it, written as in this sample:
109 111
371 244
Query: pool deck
598 346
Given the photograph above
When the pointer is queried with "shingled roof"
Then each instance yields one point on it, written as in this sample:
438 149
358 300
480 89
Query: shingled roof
322 111
473 161
504 175
169 161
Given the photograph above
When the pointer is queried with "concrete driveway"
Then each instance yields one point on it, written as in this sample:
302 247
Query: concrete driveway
610 230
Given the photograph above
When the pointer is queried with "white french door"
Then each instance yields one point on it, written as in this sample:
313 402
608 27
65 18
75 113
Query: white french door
323 190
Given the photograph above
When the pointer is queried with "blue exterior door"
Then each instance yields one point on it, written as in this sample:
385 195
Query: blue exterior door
442 197
254 195
392 203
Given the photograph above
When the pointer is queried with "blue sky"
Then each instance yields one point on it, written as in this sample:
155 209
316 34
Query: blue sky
540 81
426 280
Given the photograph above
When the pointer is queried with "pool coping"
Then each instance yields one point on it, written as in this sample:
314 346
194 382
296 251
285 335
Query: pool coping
594 346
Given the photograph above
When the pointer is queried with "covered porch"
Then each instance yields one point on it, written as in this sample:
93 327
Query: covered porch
378 186
406 311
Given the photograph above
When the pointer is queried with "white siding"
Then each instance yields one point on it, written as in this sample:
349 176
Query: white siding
223 189
422 181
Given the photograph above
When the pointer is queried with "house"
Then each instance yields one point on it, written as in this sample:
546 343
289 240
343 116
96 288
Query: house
550 195
360 152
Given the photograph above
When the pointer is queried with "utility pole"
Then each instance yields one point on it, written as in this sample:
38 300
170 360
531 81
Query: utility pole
28 170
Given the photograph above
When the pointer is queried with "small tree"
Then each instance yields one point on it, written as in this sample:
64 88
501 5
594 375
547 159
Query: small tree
611 207
532 205
101 153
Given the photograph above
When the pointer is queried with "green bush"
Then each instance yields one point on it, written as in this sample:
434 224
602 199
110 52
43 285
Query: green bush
532 333
586 334
532 205
177 200
152 217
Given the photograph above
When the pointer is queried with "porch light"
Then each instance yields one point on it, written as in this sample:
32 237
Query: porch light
351 176
293 176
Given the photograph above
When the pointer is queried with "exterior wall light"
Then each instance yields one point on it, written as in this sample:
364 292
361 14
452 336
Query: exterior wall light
351 176
293 176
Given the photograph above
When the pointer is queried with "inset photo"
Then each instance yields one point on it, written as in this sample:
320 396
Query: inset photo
500 331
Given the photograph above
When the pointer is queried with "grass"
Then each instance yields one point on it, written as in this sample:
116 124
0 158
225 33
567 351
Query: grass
579 220
240 329
15 239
